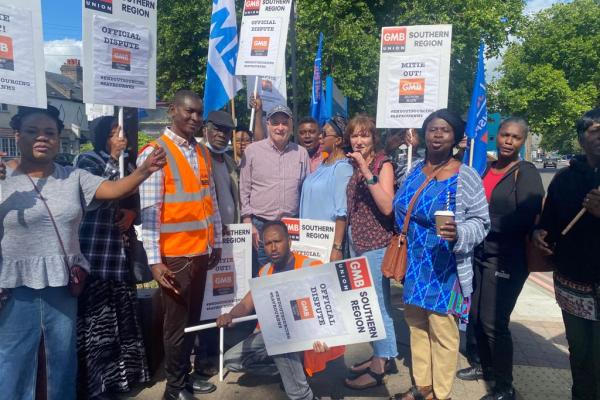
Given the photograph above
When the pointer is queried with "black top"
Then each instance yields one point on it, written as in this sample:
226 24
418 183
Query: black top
577 254
515 203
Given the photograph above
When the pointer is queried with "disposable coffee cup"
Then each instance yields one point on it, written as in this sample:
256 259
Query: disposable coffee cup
441 217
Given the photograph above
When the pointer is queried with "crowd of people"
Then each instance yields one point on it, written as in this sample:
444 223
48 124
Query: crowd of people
69 323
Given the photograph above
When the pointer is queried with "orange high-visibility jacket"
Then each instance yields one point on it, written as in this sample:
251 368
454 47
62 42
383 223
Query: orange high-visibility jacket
313 362
186 227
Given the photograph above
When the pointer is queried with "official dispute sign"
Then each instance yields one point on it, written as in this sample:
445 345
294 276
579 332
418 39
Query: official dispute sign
263 36
227 283
414 74
22 76
311 238
119 52
335 303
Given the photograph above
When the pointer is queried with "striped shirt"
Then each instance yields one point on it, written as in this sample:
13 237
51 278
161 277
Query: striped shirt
152 197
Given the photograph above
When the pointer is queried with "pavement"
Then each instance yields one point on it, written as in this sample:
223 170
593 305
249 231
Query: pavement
540 356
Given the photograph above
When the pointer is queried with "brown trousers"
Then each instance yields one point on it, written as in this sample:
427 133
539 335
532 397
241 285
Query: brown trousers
181 311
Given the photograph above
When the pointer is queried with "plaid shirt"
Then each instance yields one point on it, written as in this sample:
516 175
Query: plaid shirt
99 237
152 195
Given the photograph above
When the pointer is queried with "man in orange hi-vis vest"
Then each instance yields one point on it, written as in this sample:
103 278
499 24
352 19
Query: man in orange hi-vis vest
181 232
250 355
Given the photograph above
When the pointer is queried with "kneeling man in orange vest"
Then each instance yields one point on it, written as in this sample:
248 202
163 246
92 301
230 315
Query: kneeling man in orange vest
250 355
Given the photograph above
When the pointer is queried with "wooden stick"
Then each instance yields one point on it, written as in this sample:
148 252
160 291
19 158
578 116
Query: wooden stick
409 154
214 324
221 346
121 134
233 139
253 112
573 222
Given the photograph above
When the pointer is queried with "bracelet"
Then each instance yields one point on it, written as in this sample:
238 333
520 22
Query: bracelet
337 247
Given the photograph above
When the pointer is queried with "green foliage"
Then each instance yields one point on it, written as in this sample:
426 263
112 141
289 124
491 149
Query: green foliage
552 76
351 30
143 139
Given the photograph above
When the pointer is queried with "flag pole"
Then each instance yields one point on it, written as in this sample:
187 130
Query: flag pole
233 139
121 134
471 151
253 112
409 154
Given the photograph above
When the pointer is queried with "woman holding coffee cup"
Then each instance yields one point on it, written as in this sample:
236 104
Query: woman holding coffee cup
514 191
449 218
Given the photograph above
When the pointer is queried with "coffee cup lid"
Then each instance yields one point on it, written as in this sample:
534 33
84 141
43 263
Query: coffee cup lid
446 213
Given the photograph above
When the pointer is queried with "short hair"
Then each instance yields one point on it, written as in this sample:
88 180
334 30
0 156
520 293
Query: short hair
244 128
183 94
453 119
23 112
588 119
366 122
308 120
276 224
518 121
102 128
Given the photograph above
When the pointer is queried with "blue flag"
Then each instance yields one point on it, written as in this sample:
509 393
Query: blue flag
317 101
477 131
221 83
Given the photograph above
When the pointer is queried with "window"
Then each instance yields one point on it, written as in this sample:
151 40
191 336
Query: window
9 146
3 107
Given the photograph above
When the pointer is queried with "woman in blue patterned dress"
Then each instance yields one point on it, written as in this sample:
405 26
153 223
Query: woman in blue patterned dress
439 274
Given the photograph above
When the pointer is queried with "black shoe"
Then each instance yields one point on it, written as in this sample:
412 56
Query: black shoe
473 374
508 394
182 395
198 385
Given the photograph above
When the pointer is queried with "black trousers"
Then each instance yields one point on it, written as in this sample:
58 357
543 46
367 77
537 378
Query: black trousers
181 311
494 299
583 336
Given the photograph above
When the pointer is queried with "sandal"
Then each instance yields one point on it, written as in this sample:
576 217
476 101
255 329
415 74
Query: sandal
415 393
378 380
390 367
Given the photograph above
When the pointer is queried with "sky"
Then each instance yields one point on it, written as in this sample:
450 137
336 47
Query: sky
62 31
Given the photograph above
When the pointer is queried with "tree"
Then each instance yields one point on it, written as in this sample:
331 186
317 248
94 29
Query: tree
552 75
351 47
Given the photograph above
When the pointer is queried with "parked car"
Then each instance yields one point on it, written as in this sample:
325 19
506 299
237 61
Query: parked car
550 162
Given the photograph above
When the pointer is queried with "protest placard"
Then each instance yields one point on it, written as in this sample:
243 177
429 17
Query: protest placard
227 283
414 74
335 303
311 238
263 36
119 53
272 90
22 76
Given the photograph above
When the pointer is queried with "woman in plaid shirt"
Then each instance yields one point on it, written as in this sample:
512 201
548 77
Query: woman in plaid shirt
109 340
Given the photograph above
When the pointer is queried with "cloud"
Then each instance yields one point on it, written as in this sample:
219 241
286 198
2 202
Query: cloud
57 51
534 6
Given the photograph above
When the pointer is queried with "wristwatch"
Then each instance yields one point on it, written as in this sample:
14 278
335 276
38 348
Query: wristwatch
338 247
374 179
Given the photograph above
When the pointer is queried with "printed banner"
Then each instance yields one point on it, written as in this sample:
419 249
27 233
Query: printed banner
311 238
22 76
263 36
414 73
121 56
272 90
119 45
227 283
335 303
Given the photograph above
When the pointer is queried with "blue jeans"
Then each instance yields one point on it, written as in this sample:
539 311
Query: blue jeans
29 314
384 348
262 256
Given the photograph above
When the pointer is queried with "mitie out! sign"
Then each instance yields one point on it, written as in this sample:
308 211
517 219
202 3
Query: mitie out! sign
393 39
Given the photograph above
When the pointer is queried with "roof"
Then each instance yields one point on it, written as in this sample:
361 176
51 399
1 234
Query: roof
61 87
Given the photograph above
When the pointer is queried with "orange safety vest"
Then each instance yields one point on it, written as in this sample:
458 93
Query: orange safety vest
186 227
313 362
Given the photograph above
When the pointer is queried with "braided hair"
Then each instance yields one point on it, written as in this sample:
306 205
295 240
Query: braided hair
23 112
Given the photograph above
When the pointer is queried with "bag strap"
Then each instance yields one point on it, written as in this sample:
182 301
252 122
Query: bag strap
415 197
62 246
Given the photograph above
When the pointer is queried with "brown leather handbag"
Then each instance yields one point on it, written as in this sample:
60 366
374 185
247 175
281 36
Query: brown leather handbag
396 255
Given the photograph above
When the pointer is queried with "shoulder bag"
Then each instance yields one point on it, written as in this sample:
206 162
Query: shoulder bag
396 255
77 274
